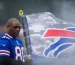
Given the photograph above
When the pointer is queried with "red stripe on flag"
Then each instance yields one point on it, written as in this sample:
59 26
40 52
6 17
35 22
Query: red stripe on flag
59 33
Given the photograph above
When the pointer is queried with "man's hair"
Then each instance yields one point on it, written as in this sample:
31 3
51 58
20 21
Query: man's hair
9 22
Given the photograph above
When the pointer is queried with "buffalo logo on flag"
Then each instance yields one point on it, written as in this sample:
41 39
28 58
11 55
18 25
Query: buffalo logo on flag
67 40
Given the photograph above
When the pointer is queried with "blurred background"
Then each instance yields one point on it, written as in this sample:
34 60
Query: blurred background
62 9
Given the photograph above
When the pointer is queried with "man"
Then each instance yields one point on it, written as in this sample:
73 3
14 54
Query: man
11 48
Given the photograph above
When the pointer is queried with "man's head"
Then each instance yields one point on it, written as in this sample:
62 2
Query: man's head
13 27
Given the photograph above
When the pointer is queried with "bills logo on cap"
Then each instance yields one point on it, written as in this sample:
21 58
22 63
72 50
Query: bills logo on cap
66 40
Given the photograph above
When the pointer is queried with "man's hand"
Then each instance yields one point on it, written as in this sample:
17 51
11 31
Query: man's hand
28 60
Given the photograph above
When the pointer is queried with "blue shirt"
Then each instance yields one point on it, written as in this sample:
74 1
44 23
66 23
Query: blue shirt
12 47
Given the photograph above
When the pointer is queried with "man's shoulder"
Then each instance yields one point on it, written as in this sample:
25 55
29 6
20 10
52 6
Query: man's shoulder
5 36
4 41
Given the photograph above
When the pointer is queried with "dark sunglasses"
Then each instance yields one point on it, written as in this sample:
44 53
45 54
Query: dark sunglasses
15 27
